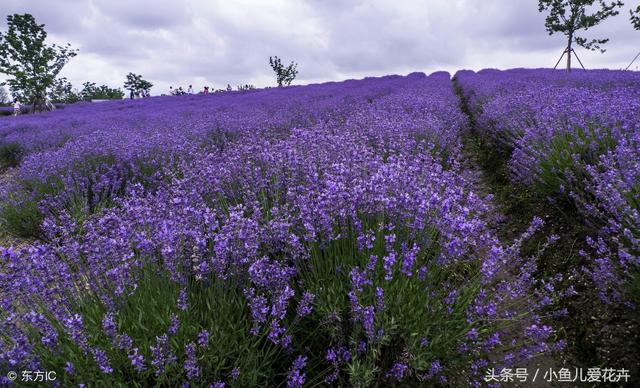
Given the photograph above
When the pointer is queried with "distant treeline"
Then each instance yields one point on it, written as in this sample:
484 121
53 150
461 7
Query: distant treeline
7 110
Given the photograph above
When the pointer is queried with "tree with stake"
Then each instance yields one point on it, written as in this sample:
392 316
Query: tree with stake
31 64
571 16
284 75
635 20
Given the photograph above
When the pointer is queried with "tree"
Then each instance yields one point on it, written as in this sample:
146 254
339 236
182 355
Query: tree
145 86
63 92
103 92
635 18
31 64
135 84
89 90
571 16
284 75
92 92
4 96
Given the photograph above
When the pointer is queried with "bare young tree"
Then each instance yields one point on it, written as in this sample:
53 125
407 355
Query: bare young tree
571 16
284 75
635 20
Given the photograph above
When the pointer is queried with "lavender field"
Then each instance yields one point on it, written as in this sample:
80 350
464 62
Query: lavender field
395 231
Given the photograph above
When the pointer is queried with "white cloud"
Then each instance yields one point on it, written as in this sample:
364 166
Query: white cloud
216 42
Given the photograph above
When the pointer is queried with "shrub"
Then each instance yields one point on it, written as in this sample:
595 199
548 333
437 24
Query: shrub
10 155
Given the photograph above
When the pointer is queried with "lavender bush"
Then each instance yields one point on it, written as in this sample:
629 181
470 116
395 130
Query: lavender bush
573 139
299 236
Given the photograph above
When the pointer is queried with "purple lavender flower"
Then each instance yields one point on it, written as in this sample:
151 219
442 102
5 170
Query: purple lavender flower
388 262
305 305
296 378
191 363
109 326
124 342
368 319
175 325
235 373
137 360
161 354
69 368
203 338
408 260
101 359
182 300
75 328
380 299
399 371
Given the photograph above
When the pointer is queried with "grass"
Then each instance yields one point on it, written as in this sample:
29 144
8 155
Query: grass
10 155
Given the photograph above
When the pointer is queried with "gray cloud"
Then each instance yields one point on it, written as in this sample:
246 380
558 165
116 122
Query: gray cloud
216 42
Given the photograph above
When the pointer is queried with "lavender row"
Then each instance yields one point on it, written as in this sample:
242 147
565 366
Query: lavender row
340 246
147 137
574 138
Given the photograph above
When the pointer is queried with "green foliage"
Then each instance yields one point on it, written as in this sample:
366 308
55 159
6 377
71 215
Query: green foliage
633 288
219 307
4 96
21 215
213 306
635 18
31 64
566 156
408 317
570 16
63 92
284 75
134 83
92 92
10 155
21 220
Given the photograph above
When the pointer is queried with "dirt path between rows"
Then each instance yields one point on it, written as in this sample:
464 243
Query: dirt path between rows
476 177
507 232
597 335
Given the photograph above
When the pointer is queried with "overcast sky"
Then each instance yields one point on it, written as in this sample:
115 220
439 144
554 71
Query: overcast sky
213 42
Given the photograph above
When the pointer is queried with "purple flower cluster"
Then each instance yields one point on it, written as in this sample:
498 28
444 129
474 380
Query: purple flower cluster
244 191
576 138
296 378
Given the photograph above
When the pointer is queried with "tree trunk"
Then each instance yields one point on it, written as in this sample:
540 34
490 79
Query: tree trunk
569 53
